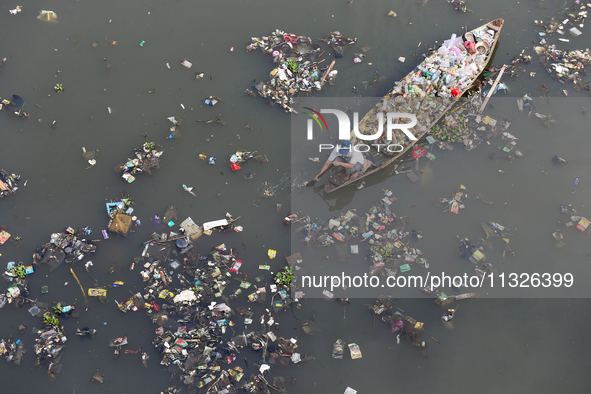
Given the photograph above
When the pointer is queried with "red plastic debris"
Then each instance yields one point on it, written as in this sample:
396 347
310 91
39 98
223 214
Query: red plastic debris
417 152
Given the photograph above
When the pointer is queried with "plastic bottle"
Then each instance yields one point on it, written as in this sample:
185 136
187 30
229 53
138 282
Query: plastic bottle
458 60
464 80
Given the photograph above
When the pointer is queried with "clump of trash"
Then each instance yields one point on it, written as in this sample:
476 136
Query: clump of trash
14 106
49 345
147 158
455 203
388 236
121 219
564 65
16 10
12 349
571 16
69 246
567 65
575 220
16 273
239 158
402 325
90 156
188 297
174 130
459 5
337 41
464 124
297 70
8 184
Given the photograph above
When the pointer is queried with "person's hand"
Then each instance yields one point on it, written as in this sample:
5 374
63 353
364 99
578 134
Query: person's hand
317 178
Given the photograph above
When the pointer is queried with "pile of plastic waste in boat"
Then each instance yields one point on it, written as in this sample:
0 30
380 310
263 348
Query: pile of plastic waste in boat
435 84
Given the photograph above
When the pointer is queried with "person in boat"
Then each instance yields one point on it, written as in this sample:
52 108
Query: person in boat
344 156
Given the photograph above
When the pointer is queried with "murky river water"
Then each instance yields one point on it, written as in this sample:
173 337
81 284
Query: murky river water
519 341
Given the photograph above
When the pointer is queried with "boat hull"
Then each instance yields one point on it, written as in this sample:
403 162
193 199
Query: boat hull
425 91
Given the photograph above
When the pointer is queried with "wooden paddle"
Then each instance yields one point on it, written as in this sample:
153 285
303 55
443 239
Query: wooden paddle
313 181
328 70
492 90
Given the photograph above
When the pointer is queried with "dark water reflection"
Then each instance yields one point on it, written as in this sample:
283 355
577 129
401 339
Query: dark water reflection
498 345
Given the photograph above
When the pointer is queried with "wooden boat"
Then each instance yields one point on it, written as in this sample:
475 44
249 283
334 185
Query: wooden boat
428 92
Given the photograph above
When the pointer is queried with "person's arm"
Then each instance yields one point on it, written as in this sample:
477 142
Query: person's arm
324 168
345 165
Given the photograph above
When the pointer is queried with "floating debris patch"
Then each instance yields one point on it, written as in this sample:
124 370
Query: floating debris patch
297 70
